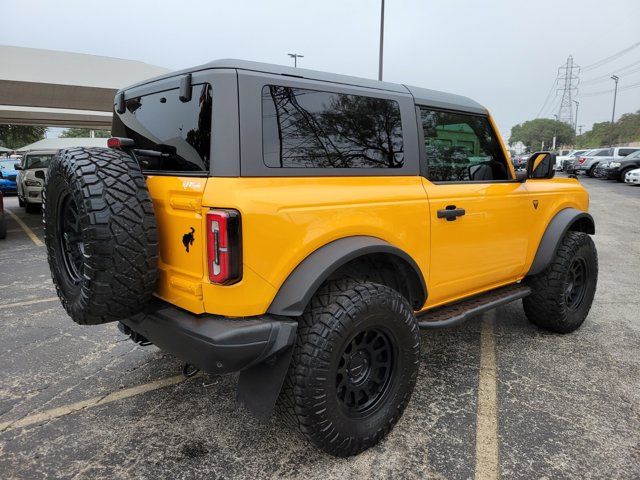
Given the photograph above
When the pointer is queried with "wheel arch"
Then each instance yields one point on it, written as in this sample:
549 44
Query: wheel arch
349 256
568 219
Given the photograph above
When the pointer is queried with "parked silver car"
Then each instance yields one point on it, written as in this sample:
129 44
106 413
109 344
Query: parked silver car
561 160
588 163
31 174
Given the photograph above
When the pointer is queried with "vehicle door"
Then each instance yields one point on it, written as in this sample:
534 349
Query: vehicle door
479 212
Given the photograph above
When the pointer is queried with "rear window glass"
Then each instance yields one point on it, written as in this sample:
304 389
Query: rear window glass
169 135
37 161
7 165
313 129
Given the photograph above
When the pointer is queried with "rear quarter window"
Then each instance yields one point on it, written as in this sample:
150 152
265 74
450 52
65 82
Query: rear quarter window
304 128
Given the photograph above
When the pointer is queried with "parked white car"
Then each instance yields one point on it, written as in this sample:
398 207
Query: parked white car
633 177
31 174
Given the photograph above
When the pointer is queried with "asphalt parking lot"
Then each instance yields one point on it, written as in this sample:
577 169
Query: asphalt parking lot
495 396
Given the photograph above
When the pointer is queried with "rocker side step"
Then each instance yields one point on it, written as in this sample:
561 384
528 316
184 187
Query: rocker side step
458 312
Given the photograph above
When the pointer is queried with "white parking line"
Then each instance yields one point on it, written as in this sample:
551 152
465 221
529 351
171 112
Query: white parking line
26 229
58 412
487 452
28 302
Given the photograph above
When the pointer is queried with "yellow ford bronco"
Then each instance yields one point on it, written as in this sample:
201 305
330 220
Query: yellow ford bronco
300 228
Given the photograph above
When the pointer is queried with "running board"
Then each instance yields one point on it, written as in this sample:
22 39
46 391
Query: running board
458 312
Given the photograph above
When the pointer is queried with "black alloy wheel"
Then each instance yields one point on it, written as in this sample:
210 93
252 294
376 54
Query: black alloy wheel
70 239
364 371
576 283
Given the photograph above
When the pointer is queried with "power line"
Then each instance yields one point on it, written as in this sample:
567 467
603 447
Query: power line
603 92
610 58
553 86
607 76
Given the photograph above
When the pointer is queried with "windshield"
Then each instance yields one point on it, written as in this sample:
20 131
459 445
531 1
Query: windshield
37 161
7 165
633 155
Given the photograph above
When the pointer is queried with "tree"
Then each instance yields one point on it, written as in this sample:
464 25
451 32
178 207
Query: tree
533 132
625 130
17 136
84 133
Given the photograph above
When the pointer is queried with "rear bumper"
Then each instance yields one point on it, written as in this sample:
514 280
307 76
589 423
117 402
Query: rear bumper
213 343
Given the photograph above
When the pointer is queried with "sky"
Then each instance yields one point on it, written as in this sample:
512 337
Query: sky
504 54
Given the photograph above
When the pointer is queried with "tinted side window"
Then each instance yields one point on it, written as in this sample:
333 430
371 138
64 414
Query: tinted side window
461 147
312 129
180 132
604 153
623 152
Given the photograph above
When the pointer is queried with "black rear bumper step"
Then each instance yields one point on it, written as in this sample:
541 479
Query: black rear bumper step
458 312
213 343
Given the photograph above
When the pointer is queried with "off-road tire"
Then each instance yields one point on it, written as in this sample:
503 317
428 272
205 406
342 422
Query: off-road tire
113 276
548 307
20 201
309 397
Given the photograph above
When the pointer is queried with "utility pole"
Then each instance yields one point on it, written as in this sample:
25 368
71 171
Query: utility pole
575 125
568 74
295 57
615 78
381 40
580 129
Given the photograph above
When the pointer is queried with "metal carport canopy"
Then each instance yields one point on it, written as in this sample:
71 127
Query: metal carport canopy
53 88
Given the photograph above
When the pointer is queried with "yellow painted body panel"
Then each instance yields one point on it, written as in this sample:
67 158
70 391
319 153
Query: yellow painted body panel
286 219
177 205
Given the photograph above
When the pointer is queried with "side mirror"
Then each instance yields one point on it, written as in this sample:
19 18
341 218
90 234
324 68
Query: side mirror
17 166
39 174
541 165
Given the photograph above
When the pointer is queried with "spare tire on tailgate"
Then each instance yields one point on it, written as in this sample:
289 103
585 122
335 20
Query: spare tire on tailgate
100 233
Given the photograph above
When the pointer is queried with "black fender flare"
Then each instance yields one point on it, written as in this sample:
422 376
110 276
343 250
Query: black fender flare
302 283
565 220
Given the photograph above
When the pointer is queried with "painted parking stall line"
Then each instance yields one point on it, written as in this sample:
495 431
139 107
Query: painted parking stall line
58 412
34 238
487 450
28 302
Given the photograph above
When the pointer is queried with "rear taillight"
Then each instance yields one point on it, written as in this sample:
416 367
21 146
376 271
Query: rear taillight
224 246
581 160
119 142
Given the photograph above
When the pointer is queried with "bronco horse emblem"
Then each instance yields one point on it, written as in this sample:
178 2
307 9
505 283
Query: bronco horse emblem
188 238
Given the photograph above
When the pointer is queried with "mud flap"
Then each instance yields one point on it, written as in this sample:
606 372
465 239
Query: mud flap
260 385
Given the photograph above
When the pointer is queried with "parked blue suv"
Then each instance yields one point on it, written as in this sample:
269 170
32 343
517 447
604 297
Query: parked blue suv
8 174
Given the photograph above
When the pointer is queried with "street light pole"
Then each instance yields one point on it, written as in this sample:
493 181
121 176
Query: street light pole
615 78
295 57
381 40
575 125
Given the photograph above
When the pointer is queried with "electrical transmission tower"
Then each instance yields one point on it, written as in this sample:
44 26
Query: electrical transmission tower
568 81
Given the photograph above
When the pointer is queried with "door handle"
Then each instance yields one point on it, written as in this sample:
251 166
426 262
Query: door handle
450 212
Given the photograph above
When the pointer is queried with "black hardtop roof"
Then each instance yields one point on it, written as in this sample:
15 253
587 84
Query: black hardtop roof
422 96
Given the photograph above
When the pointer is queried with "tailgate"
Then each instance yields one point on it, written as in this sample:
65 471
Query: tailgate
177 204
